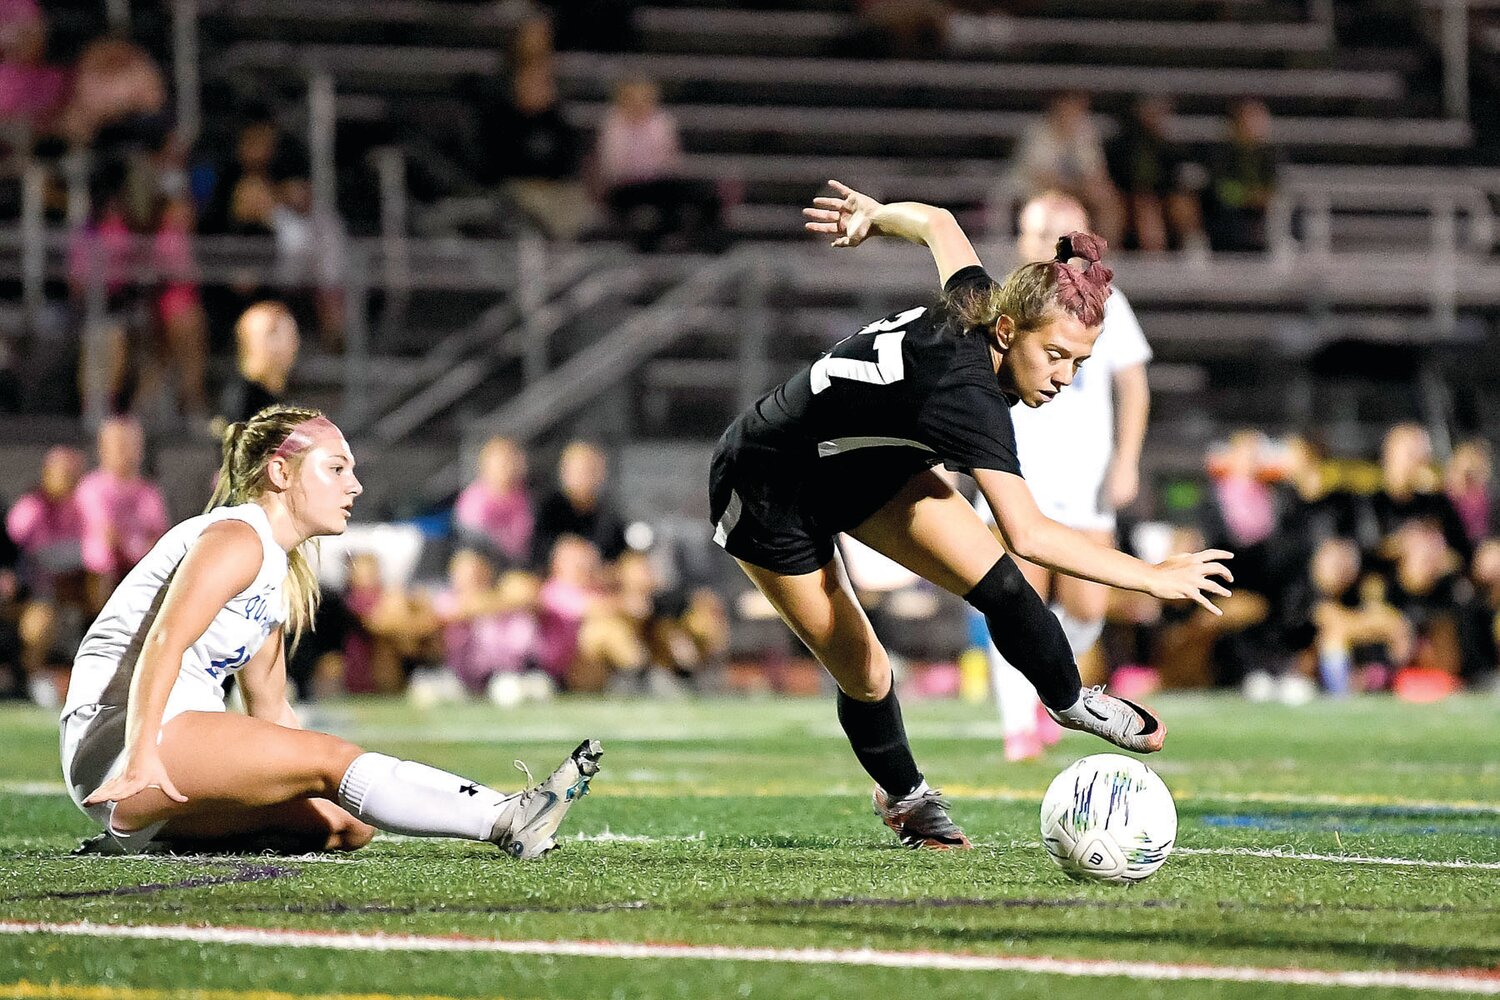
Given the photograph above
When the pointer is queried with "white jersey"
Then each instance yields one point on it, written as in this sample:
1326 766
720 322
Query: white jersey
107 657
1065 446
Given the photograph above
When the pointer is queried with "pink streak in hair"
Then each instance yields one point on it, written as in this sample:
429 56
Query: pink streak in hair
301 437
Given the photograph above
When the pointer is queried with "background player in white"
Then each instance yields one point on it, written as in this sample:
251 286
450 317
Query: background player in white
148 750
1082 457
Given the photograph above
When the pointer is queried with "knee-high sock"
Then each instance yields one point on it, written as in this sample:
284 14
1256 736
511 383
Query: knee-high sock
878 736
1014 696
1026 633
403 796
1081 634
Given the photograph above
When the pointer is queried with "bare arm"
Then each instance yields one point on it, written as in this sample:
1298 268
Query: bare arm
1037 538
263 682
1132 409
853 217
220 564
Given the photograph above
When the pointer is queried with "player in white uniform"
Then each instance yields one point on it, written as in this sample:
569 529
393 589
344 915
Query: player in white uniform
148 750
1082 460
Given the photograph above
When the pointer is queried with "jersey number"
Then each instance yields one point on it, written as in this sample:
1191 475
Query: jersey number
888 365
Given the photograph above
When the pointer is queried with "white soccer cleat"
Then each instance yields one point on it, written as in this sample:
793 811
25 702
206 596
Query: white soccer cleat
528 822
1124 723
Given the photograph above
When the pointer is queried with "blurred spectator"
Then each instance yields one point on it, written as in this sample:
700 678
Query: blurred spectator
1242 180
46 526
684 634
1063 151
489 627
107 293
244 193
579 507
532 155
1161 202
1467 480
1410 491
390 630
266 341
1424 587
1479 616
1354 625
386 633
572 591
119 98
533 43
179 315
123 513
494 510
12 675
32 93
312 254
639 164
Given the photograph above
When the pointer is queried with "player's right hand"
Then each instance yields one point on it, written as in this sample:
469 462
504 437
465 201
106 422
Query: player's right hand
847 217
142 771
1191 575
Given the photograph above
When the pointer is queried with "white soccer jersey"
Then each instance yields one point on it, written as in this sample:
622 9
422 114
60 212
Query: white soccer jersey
1066 444
106 660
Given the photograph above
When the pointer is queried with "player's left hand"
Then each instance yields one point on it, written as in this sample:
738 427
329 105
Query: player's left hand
1191 576
1122 484
847 217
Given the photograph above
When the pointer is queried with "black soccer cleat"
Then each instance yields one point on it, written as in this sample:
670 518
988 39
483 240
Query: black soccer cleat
921 820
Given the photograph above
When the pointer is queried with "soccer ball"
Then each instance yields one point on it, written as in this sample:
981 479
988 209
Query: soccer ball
1110 818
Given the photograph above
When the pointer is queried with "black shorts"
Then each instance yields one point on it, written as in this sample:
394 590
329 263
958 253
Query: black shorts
759 515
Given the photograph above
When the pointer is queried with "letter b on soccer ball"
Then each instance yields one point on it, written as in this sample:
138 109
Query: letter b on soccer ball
1110 818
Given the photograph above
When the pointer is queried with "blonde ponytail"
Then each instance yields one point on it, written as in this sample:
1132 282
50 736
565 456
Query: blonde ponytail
248 446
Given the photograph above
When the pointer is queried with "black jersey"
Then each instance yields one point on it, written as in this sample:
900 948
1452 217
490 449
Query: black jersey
899 396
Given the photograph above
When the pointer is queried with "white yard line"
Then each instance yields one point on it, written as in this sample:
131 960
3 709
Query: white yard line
1343 859
1485 984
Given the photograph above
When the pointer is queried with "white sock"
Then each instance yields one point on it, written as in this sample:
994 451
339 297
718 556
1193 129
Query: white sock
1081 634
402 796
1014 696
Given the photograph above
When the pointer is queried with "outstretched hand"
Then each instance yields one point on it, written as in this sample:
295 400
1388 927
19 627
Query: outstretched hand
140 774
1191 575
847 217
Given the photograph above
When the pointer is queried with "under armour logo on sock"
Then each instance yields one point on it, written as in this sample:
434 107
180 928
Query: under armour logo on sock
469 789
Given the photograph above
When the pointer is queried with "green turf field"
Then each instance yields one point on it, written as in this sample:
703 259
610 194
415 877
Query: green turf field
746 824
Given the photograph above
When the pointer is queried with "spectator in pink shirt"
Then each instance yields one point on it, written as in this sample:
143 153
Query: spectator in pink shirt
46 525
494 511
123 512
31 92
488 626
639 163
572 592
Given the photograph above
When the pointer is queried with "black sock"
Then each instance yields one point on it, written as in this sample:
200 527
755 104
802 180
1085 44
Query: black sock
1027 633
879 740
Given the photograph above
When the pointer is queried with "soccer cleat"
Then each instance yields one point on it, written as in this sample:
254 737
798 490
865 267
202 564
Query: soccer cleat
921 820
528 821
1124 723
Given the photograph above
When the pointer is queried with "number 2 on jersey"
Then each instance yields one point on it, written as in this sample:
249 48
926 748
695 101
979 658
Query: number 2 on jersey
888 365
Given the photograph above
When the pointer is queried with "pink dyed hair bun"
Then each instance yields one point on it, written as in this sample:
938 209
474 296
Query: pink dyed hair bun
1082 291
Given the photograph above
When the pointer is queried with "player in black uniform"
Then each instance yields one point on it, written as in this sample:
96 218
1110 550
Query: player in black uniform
848 445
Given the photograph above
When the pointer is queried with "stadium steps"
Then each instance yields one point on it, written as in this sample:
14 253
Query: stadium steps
1157 42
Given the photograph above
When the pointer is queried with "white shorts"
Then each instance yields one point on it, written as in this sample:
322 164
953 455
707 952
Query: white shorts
93 752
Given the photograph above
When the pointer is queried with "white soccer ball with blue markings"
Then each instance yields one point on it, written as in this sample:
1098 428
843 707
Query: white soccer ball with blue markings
1108 818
